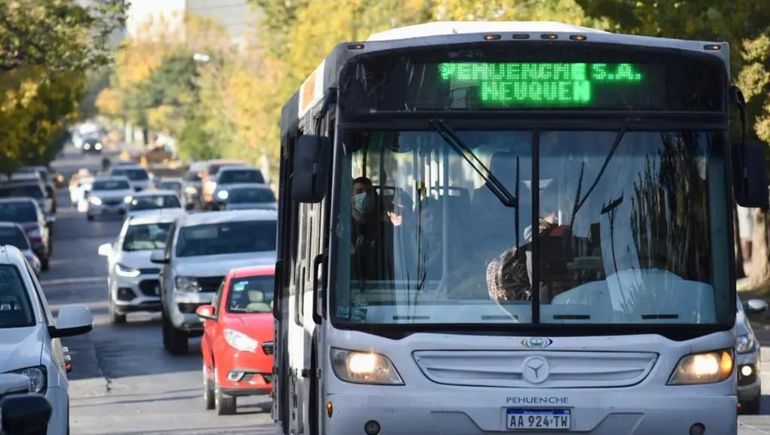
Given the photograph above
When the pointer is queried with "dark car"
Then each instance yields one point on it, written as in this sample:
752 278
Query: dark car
26 213
27 185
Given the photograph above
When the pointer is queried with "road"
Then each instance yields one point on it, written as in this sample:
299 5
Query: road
123 381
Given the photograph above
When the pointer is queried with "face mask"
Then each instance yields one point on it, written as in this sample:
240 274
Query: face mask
360 201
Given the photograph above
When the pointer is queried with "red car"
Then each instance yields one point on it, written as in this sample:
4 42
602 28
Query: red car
237 342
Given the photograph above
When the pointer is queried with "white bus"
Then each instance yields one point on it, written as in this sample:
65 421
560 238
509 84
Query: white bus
414 293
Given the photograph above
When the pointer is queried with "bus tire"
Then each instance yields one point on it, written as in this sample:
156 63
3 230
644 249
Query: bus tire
752 406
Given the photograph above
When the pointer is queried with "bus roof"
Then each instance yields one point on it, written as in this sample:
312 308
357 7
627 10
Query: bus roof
443 33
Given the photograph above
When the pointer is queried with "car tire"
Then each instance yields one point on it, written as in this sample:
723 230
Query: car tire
115 316
208 390
174 340
224 404
44 266
90 217
752 407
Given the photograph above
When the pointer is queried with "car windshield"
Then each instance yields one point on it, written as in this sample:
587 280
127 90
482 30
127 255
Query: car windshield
27 190
226 238
632 228
154 202
145 237
251 295
15 307
111 185
13 236
170 185
241 176
240 196
21 211
131 174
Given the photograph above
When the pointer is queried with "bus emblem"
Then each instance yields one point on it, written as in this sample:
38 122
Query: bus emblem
536 342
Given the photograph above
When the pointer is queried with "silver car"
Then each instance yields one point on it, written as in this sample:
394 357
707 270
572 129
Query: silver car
201 250
108 196
132 280
14 235
246 196
152 200
748 356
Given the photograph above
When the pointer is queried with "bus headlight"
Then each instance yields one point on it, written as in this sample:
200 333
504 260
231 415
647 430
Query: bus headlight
703 368
744 343
364 368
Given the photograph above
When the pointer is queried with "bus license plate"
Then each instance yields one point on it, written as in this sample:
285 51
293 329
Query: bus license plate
538 419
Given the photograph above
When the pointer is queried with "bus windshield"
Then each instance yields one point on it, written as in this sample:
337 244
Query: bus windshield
632 228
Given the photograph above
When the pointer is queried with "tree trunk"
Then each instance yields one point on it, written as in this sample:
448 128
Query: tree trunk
760 255
739 260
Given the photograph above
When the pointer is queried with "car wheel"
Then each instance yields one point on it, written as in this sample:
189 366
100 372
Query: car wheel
115 316
208 390
752 406
174 340
44 266
224 404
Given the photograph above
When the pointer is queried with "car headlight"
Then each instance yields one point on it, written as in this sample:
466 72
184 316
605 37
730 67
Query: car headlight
192 190
364 367
703 368
95 200
98 146
240 341
745 343
128 272
187 284
37 377
223 194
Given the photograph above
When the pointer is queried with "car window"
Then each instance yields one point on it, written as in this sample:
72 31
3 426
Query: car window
218 297
238 196
28 190
154 202
241 176
48 317
22 211
251 295
15 306
226 238
110 185
146 237
13 236
170 185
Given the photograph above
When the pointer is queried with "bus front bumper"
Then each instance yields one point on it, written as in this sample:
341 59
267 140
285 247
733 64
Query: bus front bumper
595 412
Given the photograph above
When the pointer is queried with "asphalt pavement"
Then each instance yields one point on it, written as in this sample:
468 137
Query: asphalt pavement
123 382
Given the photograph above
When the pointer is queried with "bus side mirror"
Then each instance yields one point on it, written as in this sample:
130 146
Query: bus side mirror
750 175
310 175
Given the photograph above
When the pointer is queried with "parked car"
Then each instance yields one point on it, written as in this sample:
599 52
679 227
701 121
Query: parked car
137 176
200 252
208 179
142 202
29 335
246 196
132 279
45 176
30 186
748 354
108 196
237 342
14 235
26 213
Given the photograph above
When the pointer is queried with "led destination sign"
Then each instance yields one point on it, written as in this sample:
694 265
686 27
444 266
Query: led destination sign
543 84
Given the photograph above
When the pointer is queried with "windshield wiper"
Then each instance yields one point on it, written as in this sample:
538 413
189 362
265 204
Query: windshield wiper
451 138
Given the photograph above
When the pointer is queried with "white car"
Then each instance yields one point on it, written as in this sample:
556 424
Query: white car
29 335
139 178
108 196
748 356
152 200
13 234
200 252
246 196
132 280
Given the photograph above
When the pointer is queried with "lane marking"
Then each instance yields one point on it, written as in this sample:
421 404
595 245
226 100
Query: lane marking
80 280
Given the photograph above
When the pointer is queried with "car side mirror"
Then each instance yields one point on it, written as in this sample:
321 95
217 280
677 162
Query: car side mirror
72 320
310 170
158 257
50 219
755 306
750 174
25 414
105 250
206 312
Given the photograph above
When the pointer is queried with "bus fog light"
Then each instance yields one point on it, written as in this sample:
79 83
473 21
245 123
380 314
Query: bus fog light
746 371
703 368
372 427
364 367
